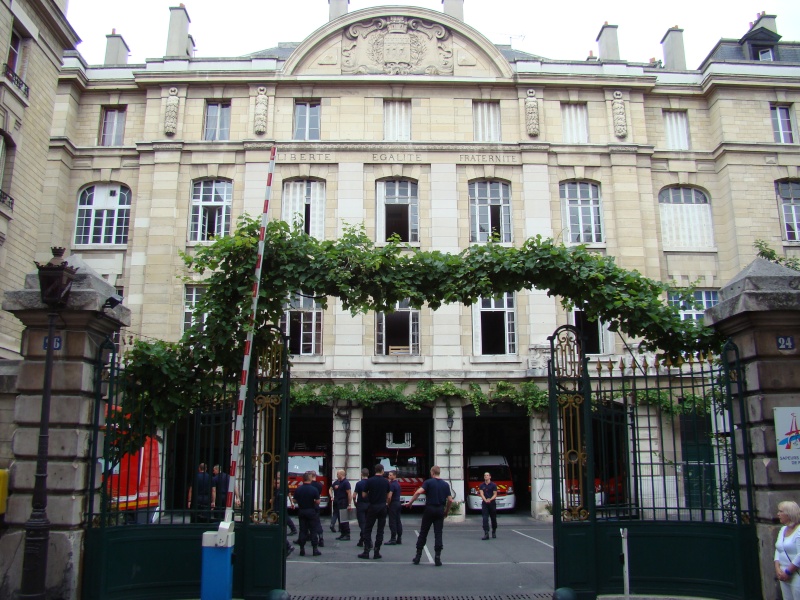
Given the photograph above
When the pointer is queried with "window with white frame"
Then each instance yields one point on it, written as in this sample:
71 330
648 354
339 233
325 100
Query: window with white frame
397 333
592 333
789 199
489 211
103 215
695 310
764 54
396 120
306 120
486 121
218 121
211 209
782 124
303 203
685 219
496 325
676 127
191 296
574 123
14 52
302 322
113 126
398 210
581 202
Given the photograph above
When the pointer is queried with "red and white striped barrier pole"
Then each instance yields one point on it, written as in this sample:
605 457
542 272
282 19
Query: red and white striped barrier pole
236 444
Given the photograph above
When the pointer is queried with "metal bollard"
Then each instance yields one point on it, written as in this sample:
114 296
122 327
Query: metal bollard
216 579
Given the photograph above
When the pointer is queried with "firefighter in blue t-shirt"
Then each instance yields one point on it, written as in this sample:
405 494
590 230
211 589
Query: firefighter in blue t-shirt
488 492
439 496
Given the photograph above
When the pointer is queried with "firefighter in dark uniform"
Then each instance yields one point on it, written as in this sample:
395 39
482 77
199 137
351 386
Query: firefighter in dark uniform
306 497
437 505
488 492
395 524
361 505
376 492
341 497
202 496
320 487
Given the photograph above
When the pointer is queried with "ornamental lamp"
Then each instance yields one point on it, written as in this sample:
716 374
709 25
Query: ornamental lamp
55 279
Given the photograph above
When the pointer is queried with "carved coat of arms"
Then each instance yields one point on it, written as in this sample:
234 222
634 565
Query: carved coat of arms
397 46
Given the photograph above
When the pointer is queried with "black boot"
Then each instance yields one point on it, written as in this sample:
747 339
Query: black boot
377 553
494 533
392 542
321 542
344 538
365 553
399 539
437 559
360 543
316 552
417 557
485 534
302 549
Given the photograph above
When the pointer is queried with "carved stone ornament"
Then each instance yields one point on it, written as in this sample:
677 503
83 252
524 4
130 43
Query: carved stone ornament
532 114
262 102
397 46
171 113
618 110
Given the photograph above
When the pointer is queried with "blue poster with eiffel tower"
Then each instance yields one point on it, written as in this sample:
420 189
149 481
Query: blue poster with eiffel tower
787 435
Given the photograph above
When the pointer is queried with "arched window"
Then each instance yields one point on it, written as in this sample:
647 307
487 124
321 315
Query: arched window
584 217
685 219
211 209
489 211
398 210
103 215
789 198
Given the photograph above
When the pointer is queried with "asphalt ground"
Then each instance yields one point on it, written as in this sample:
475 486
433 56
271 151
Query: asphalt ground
519 561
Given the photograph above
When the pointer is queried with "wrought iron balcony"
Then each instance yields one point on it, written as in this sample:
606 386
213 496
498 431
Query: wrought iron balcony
16 80
6 199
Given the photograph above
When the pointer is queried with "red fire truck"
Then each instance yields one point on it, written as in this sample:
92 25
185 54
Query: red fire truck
409 461
134 483
300 461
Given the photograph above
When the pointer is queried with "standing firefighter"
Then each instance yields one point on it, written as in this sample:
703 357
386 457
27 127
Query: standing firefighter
439 497
361 505
376 492
395 524
341 497
307 499
488 492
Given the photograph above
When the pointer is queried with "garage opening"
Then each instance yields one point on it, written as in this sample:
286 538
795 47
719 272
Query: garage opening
502 429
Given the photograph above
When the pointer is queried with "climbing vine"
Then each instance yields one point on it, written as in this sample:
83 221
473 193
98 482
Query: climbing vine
365 278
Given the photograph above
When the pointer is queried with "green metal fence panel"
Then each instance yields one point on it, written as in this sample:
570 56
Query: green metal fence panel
144 537
649 449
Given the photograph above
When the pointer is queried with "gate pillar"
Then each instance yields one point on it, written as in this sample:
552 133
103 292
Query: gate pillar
81 328
760 311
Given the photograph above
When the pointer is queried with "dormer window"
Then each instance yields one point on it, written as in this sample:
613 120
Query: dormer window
764 54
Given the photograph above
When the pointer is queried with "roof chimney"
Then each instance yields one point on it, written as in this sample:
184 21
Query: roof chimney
674 54
337 9
766 21
179 42
454 8
607 43
116 49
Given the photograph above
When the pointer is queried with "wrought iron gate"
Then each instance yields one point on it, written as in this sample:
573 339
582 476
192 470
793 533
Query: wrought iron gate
646 454
143 538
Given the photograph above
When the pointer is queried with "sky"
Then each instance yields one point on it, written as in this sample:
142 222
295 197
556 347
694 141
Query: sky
559 30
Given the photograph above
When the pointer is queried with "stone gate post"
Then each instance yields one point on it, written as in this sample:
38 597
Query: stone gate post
82 326
760 311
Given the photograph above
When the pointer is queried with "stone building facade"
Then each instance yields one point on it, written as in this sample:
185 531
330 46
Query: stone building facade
410 121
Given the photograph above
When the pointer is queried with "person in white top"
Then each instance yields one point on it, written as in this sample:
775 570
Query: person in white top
787 550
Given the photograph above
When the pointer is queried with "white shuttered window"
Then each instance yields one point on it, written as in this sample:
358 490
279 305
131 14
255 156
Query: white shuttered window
575 123
685 219
303 202
486 121
676 125
396 120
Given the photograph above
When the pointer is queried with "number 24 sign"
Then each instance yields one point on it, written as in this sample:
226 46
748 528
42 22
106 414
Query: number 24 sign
785 342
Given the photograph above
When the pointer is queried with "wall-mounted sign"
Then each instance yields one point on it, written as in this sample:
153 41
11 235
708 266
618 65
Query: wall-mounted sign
787 435
56 342
785 342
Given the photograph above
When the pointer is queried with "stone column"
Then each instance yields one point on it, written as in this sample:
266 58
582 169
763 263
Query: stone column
449 448
81 328
347 443
760 311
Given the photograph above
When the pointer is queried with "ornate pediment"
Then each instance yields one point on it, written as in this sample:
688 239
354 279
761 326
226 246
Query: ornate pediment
397 45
